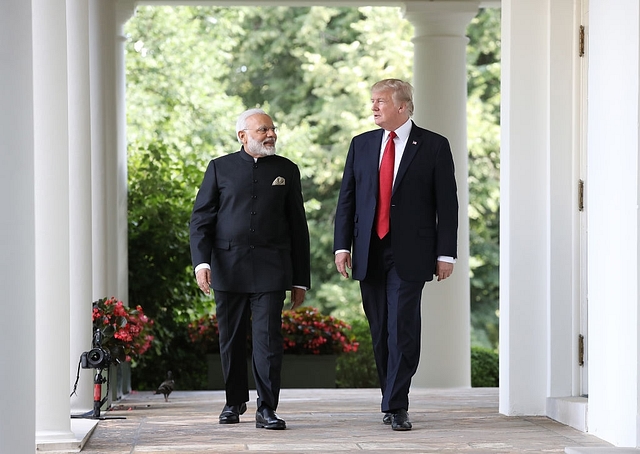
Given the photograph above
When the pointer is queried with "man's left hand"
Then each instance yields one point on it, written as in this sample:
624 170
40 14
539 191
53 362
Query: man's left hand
297 296
443 270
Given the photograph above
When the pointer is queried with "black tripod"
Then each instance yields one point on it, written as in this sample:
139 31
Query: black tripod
98 400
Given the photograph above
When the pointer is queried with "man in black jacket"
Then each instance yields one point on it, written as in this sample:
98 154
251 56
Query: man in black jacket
250 244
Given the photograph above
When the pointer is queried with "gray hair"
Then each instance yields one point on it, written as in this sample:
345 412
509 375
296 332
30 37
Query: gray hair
402 91
242 120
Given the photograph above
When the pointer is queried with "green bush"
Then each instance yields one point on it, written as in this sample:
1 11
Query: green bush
358 369
484 368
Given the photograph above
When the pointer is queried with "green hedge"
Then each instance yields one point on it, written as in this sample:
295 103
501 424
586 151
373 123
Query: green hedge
484 368
358 370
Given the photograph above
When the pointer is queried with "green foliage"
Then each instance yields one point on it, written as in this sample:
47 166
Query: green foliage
358 369
484 368
484 175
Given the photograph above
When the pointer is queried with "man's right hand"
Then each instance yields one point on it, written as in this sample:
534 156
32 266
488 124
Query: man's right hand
203 277
343 261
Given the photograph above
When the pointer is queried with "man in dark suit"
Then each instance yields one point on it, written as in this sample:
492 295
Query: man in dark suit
402 229
250 244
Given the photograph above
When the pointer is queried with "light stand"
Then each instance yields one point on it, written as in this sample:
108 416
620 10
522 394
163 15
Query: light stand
99 359
98 400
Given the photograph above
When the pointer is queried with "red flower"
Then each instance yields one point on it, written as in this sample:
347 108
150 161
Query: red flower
305 331
127 332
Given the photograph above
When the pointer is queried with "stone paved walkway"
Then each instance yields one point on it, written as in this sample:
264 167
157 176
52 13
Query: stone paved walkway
329 421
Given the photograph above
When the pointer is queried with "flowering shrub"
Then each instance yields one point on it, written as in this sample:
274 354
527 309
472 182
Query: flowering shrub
203 332
306 331
126 331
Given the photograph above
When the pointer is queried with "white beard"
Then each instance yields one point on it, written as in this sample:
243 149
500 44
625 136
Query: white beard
260 149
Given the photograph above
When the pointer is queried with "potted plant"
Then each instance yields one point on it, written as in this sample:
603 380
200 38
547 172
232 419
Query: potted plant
312 342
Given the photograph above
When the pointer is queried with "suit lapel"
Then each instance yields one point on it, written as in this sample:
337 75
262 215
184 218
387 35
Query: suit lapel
410 150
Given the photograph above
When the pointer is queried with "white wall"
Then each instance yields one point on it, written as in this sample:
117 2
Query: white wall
612 190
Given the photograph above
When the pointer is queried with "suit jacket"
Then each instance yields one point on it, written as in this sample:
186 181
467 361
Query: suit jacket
424 204
249 224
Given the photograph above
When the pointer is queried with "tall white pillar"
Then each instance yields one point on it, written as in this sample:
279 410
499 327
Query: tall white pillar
524 207
102 39
105 137
80 218
124 11
51 267
440 83
17 228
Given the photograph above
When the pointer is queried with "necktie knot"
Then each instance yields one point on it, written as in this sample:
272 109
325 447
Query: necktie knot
385 186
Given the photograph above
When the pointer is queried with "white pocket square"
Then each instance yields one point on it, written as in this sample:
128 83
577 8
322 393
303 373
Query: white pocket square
279 181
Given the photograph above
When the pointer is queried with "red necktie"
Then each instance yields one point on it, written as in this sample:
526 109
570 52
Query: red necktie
385 186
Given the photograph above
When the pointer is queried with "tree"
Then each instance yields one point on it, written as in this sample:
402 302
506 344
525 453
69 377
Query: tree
483 66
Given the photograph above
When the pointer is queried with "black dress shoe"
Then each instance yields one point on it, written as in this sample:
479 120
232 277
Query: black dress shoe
400 420
266 418
387 418
231 413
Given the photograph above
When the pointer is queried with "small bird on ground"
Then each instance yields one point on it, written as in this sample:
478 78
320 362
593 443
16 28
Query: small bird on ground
166 387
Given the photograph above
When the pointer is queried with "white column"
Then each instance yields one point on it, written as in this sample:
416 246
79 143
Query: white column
105 172
51 268
524 208
17 231
124 11
440 83
80 218
103 145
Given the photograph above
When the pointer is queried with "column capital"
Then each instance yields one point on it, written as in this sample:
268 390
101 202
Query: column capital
441 18
125 9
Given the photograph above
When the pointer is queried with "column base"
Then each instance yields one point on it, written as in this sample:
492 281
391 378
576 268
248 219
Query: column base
81 430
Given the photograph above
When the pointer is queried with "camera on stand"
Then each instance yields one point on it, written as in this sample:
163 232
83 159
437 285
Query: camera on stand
97 357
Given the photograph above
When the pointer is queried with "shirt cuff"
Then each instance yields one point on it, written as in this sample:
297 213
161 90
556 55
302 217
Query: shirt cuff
446 258
202 266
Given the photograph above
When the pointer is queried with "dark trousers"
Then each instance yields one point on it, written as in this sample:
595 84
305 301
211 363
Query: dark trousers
264 311
392 307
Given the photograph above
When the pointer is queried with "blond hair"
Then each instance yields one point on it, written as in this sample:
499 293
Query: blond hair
402 91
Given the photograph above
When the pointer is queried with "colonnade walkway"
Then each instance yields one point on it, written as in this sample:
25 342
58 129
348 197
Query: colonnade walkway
331 421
